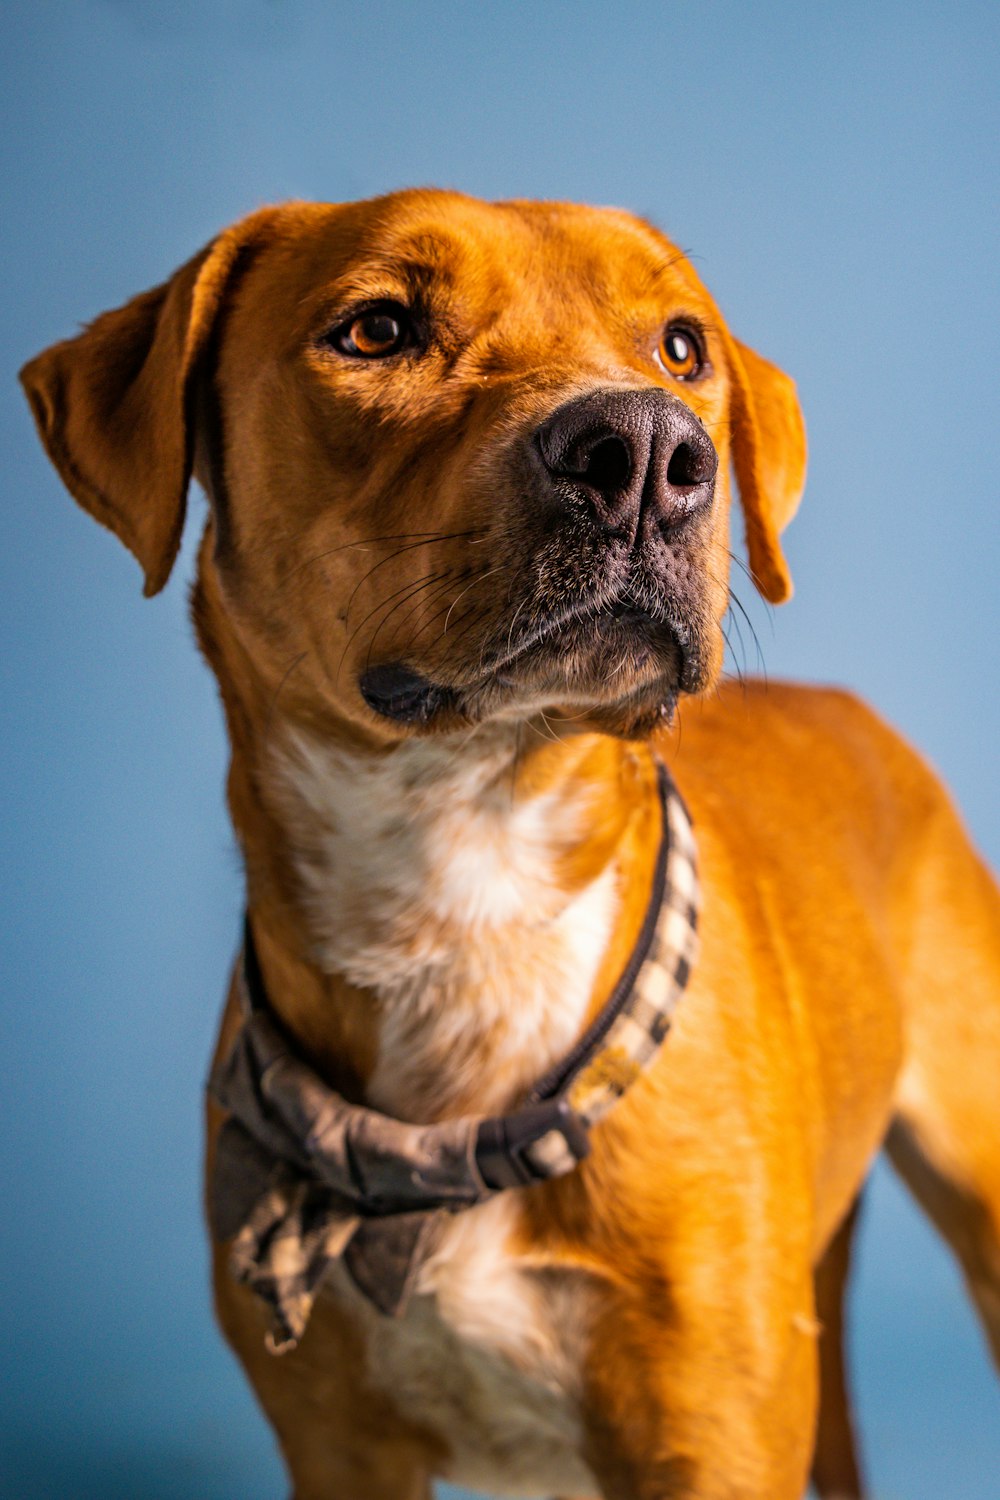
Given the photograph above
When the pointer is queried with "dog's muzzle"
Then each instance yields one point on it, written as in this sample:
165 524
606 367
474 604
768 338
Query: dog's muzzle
620 489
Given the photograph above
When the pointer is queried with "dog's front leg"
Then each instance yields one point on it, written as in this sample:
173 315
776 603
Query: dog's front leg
339 1437
724 1411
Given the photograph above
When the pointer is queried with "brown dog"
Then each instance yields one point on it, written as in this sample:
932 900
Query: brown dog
468 543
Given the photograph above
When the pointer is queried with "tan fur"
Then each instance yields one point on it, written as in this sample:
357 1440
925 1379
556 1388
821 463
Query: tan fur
439 908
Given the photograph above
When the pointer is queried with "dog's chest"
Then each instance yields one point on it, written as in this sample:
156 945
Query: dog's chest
488 1359
427 886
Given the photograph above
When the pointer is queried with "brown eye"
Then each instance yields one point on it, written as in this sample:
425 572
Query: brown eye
374 334
680 352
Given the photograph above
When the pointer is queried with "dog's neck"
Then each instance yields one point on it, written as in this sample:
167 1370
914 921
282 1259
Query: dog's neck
465 892
437 921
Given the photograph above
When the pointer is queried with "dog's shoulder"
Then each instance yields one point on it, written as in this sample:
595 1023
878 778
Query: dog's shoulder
783 755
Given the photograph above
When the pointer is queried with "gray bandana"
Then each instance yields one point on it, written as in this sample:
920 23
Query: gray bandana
303 1178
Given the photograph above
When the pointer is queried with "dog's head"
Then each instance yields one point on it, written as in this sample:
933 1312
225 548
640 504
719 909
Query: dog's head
464 460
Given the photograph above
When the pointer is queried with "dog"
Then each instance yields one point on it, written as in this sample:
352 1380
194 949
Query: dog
468 471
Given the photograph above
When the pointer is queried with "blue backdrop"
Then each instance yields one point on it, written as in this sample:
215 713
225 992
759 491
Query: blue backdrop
833 169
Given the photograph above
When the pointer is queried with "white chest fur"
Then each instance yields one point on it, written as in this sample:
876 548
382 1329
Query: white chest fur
427 885
489 1357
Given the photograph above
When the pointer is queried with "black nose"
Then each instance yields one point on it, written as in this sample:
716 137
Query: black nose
629 450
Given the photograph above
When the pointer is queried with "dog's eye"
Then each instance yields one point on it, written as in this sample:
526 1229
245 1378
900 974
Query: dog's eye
373 334
680 352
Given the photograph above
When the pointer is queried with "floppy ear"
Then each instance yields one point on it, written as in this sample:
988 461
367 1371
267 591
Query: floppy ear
114 405
769 456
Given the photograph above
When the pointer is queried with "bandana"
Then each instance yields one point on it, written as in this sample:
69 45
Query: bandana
303 1179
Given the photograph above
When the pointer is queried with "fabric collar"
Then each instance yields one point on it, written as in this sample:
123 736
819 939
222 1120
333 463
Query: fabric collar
303 1178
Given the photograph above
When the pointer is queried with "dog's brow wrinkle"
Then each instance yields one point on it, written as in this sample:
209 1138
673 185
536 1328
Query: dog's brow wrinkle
660 272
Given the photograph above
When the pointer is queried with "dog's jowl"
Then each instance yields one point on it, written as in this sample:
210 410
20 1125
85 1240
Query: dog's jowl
560 1041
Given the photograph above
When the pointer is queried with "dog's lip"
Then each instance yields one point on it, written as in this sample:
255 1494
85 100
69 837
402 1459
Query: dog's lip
397 691
622 611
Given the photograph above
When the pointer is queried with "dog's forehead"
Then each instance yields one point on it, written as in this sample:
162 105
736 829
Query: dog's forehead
430 240
451 230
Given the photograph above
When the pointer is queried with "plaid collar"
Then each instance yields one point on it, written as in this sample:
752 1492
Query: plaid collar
303 1179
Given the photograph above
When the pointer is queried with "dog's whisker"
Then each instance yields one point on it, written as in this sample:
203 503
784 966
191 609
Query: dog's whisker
736 666
739 636
383 562
419 587
405 589
548 738
432 619
500 568
434 593
416 538
755 581
556 736
272 707
473 614
734 599
510 632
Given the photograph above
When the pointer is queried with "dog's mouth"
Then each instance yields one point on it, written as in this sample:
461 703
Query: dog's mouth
397 692
582 654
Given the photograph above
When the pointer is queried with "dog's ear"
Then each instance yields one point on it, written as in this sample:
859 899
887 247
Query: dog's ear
114 405
769 456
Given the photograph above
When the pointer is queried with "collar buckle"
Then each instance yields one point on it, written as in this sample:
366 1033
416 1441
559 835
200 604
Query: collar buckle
530 1145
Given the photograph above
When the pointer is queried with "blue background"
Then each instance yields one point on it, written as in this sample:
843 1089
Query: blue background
833 169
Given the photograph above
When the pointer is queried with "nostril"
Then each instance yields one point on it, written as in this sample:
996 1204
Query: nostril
690 465
609 466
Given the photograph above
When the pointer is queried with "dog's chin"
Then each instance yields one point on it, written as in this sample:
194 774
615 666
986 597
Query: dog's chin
618 672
